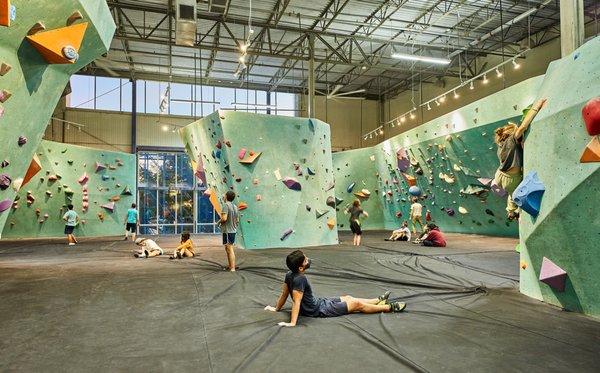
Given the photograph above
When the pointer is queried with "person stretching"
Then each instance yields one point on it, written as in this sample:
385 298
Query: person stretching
306 304
185 249
148 248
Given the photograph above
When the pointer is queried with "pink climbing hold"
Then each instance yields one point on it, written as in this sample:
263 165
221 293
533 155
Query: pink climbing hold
109 206
1 111
83 179
99 166
591 116
292 184
484 180
242 153
553 275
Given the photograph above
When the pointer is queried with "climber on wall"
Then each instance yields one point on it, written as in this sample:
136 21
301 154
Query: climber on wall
509 139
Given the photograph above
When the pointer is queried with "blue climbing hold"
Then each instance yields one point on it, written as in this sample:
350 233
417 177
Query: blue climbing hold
350 187
528 194
310 172
414 191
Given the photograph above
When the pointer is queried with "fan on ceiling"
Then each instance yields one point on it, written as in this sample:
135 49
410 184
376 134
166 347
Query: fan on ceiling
335 93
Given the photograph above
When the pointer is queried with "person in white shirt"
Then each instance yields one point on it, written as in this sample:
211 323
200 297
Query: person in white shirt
402 234
148 248
416 213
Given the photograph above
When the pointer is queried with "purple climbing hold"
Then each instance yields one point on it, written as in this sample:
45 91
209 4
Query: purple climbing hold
286 234
22 140
498 190
450 212
5 205
292 184
99 166
109 206
403 160
5 181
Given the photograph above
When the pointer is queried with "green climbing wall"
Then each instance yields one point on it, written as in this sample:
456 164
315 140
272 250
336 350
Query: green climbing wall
288 146
447 157
567 229
35 85
68 163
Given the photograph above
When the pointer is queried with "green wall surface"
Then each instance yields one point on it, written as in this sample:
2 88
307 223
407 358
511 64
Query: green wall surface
35 85
70 162
459 144
284 143
567 229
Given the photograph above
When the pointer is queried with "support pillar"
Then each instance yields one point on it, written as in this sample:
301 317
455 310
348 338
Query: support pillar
311 76
133 116
572 27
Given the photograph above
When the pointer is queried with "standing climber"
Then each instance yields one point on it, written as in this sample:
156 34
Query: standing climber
229 223
355 212
416 215
509 140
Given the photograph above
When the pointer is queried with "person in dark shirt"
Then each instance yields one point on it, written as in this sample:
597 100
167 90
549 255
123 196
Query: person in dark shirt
509 139
306 304
355 212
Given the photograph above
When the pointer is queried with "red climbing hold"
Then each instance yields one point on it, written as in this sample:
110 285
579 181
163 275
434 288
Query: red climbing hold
591 116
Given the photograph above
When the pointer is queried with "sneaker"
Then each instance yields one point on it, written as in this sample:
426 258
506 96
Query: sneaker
397 306
71 243
146 253
136 255
171 257
387 239
179 256
383 299
125 239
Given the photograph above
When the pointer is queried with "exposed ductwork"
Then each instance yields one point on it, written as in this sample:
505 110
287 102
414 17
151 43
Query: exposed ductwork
186 22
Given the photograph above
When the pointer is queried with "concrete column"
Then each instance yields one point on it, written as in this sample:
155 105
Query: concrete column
572 26
311 77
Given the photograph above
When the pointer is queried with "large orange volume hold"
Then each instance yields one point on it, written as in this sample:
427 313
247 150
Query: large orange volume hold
591 153
59 46
5 13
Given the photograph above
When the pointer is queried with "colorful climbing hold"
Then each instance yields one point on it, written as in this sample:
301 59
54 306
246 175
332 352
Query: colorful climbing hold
59 46
414 191
553 275
83 179
250 158
22 140
331 223
528 194
4 95
109 206
591 116
286 234
292 184
5 205
5 181
4 67
463 210
591 153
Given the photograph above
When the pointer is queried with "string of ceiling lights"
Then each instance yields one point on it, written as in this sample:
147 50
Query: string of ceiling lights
244 46
440 99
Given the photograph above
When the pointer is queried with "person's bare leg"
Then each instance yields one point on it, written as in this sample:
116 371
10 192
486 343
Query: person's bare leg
362 300
187 254
354 305
230 257
153 253
133 236
358 238
74 239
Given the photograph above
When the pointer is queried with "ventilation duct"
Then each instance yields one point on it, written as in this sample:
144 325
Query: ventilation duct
186 22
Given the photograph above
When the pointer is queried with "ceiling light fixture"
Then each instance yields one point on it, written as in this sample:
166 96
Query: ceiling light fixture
471 86
428 106
456 95
485 79
516 65
498 73
410 57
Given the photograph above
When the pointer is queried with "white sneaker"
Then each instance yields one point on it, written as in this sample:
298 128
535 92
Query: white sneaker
71 243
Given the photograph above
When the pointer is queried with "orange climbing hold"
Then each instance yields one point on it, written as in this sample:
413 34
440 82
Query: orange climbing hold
249 159
59 46
591 152
34 167
5 13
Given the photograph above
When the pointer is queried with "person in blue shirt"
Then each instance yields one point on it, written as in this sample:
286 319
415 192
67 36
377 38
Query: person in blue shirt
71 219
132 221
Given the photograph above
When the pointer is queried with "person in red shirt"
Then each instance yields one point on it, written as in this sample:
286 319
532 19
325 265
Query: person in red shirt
434 237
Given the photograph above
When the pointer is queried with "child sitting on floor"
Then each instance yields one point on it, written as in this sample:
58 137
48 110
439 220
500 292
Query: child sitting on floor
432 237
148 248
402 234
304 303
185 249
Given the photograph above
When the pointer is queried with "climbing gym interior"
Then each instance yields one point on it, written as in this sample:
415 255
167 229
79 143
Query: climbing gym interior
275 185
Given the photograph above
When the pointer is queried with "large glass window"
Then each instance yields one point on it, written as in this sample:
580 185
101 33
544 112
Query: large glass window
170 199
114 94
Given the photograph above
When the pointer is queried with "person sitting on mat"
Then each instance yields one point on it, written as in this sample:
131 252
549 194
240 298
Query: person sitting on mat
306 304
185 249
355 212
402 234
148 248
432 237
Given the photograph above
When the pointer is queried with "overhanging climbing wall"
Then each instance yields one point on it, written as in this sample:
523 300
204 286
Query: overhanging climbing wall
280 168
88 179
45 43
567 230
451 160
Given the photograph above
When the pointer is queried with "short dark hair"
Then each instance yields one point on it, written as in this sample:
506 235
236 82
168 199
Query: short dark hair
432 226
185 236
295 260
70 207
230 195
133 205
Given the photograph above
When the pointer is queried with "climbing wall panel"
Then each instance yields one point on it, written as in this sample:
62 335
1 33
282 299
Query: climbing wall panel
567 227
280 168
40 205
30 87
449 163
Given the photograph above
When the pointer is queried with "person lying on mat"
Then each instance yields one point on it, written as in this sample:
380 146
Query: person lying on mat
306 304
402 234
185 249
148 248
432 237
